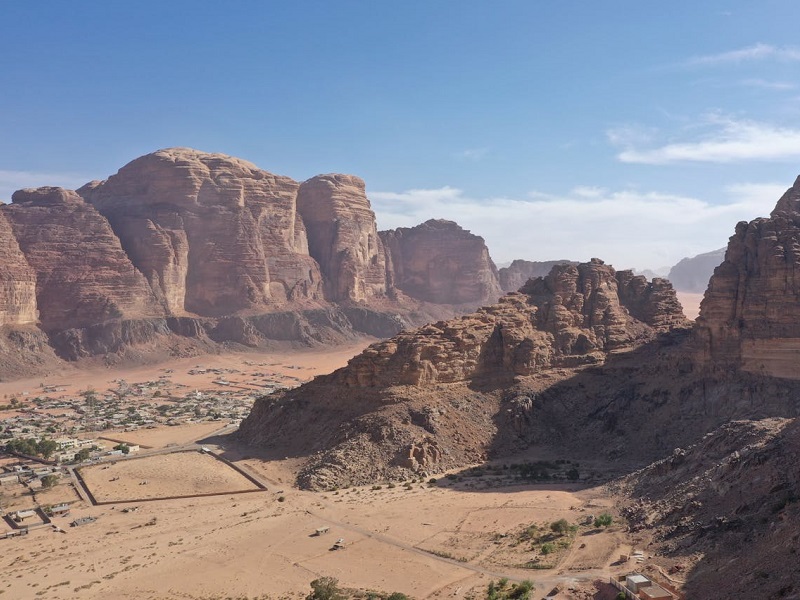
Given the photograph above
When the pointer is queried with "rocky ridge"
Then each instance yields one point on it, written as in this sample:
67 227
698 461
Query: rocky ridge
411 404
187 249
691 274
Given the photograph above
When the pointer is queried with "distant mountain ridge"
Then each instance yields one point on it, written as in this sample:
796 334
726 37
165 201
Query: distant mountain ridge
691 274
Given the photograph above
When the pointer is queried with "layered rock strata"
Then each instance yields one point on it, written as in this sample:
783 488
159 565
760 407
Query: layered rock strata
83 276
213 234
343 237
440 262
17 280
750 314
188 235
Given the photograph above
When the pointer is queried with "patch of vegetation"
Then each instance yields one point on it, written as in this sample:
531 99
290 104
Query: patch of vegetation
603 520
502 591
32 447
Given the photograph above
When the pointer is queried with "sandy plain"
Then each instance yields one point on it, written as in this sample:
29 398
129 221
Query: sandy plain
690 303
448 539
163 476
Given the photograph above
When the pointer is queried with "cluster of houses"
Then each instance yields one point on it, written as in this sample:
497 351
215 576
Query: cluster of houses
30 475
126 407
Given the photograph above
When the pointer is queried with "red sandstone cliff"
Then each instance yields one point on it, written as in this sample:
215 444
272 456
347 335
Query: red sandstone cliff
17 280
440 262
213 234
411 402
83 276
343 237
206 246
750 314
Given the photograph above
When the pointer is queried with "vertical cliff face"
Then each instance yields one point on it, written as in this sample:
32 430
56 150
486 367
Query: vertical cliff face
750 314
440 262
190 235
17 280
83 276
213 234
343 237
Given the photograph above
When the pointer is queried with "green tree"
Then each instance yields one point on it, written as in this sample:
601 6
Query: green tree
603 520
46 448
522 591
82 454
49 481
124 448
397 596
325 588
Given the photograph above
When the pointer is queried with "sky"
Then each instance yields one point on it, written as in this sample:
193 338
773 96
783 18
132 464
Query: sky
636 132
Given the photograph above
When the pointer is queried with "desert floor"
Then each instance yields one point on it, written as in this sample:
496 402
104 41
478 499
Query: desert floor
447 539
690 303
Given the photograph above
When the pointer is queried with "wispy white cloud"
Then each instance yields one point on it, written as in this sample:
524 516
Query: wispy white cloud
11 181
729 140
756 52
627 228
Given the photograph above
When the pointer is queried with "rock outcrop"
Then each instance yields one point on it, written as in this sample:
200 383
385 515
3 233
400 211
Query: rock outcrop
750 315
83 276
17 280
343 237
440 262
518 272
214 235
692 274
574 317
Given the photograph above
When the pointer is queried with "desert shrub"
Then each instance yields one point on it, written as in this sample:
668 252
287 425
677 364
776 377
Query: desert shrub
325 588
548 548
560 527
603 520
49 481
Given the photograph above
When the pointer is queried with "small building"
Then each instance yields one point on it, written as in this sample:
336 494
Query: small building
60 510
21 515
321 530
634 582
83 521
67 443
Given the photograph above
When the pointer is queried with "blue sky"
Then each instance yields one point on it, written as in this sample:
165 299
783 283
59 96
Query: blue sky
639 132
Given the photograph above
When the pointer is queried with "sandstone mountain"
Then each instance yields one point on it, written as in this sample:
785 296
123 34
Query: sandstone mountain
439 262
750 315
692 274
182 249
